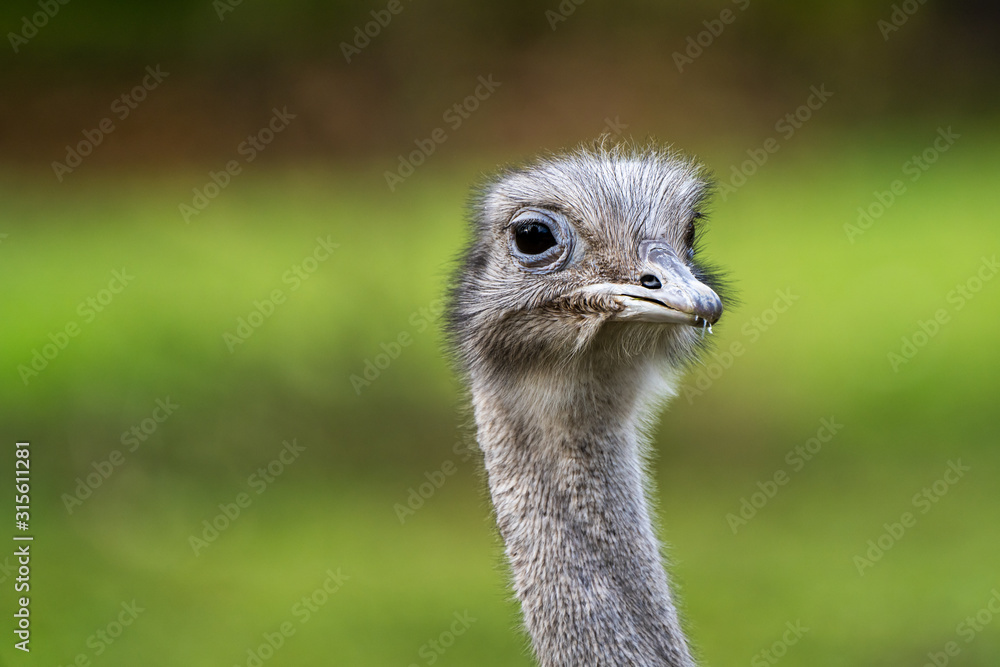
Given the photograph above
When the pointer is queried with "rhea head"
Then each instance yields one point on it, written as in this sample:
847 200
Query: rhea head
589 256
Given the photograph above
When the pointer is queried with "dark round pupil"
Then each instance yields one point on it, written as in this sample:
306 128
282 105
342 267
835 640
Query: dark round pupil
533 238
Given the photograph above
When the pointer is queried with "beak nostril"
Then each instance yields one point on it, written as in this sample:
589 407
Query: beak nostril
650 281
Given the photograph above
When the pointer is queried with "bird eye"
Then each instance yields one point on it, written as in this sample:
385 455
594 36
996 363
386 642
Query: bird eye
690 236
533 238
541 240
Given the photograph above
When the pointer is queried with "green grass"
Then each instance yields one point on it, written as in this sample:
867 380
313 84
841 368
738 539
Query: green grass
826 356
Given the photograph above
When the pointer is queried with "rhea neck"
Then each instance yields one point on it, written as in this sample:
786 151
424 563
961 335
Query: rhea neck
566 478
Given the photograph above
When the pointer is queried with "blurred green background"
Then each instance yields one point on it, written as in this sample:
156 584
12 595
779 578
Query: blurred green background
362 545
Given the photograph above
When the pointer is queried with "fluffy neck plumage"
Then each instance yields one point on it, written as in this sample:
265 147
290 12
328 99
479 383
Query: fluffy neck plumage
566 479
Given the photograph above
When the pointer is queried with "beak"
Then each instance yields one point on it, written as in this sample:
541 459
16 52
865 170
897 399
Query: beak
666 291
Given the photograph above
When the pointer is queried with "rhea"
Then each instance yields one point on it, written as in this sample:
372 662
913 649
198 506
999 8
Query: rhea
577 304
